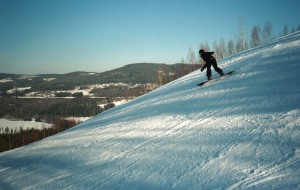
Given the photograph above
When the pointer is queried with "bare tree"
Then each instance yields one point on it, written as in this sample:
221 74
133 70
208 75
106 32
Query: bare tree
191 58
222 49
219 49
241 37
182 61
230 47
267 32
255 39
216 50
285 30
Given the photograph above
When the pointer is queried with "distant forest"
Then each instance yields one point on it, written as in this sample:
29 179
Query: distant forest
10 139
48 110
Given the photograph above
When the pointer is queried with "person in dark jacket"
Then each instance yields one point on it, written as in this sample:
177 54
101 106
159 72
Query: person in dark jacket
209 61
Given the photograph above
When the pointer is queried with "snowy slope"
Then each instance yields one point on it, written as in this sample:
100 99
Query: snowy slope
239 132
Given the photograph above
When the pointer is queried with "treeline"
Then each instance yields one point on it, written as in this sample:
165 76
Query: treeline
10 139
244 39
120 91
69 94
48 109
78 107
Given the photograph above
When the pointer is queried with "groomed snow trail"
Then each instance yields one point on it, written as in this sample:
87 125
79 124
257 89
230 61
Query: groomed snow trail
241 132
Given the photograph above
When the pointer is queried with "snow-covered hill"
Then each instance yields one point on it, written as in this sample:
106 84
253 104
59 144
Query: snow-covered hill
241 132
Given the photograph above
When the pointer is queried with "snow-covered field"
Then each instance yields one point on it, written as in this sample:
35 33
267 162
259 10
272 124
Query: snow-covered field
16 125
86 91
117 103
78 119
241 132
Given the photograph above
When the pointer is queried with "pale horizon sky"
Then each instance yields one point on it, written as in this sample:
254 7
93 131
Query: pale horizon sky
61 36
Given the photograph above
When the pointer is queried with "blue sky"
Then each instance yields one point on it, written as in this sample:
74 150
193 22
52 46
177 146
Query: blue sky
60 36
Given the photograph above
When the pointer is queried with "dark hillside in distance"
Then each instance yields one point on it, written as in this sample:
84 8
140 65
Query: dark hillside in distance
133 73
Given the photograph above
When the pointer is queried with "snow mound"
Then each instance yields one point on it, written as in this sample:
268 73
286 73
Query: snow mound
240 132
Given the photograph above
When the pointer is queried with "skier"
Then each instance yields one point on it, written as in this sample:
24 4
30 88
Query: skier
209 61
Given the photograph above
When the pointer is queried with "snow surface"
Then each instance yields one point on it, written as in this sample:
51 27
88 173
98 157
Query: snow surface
16 125
241 132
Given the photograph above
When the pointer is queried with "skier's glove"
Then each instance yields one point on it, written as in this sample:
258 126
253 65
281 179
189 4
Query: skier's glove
202 69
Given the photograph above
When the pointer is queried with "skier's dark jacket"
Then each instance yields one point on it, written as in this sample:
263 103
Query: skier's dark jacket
208 58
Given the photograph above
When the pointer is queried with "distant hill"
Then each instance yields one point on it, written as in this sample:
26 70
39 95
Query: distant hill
135 73
132 73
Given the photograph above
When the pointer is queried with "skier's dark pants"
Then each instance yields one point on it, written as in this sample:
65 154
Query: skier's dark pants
213 63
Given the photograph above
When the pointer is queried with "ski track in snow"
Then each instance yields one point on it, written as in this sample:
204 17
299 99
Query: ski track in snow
240 132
